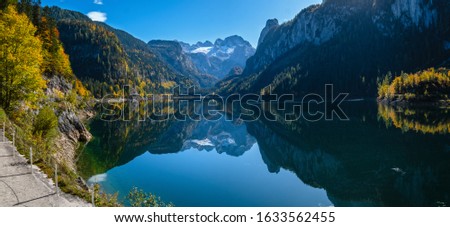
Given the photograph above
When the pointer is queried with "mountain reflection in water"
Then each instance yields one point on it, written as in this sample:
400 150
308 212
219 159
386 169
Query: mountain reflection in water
381 157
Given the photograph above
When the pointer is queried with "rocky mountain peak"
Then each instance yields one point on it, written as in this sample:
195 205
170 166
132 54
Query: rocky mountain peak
235 40
219 58
204 44
270 24
318 24
348 1
218 42
338 41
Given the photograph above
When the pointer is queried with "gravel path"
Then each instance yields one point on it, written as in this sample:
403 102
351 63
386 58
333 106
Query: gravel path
18 187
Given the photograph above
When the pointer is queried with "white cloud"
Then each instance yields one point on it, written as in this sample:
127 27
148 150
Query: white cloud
98 2
98 178
97 16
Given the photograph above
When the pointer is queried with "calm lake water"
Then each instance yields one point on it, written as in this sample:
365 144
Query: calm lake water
382 156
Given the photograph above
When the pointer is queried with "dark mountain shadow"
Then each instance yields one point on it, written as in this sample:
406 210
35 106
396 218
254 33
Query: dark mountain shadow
360 162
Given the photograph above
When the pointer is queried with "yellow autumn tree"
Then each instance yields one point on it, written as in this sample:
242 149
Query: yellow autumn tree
20 60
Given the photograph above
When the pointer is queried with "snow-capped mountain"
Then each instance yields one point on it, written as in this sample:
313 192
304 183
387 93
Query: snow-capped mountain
173 55
223 136
220 57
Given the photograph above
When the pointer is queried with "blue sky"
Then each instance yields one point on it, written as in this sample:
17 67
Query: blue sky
187 20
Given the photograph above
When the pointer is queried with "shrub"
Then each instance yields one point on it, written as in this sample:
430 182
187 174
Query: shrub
139 198
45 123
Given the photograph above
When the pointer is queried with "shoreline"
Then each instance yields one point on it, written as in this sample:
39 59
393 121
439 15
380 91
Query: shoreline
420 104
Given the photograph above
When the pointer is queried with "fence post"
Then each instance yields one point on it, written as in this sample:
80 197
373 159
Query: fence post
14 143
4 137
31 159
56 178
93 195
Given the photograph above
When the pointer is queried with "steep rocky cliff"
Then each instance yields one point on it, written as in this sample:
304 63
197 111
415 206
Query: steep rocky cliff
71 119
349 44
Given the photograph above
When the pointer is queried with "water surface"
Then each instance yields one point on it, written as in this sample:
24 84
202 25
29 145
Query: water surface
382 156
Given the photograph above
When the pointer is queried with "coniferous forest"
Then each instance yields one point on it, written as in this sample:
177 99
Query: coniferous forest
58 65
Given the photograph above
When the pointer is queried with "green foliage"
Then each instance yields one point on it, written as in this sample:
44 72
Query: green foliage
102 199
44 157
139 198
71 97
106 59
2 115
46 123
96 54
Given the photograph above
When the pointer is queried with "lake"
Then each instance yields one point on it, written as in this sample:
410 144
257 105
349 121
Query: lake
382 156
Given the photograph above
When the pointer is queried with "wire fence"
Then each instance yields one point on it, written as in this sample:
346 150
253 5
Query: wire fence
22 145
17 138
